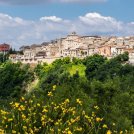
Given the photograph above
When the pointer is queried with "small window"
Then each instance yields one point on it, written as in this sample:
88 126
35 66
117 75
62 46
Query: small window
104 51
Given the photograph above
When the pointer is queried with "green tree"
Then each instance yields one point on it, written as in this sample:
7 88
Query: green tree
92 64
13 77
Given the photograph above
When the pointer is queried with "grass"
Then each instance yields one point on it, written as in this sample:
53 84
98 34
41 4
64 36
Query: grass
80 68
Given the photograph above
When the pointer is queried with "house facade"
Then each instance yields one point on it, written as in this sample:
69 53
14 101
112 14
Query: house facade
4 48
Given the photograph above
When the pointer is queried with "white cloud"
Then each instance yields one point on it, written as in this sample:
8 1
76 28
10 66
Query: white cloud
97 22
17 31
51 18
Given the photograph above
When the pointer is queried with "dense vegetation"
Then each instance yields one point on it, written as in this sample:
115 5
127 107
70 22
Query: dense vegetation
92 95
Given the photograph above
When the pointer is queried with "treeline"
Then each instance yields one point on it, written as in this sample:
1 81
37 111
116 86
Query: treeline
95 80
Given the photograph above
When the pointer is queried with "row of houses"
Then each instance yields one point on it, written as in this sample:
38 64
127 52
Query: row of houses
74 45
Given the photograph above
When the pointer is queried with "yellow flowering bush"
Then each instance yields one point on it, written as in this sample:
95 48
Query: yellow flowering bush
32 115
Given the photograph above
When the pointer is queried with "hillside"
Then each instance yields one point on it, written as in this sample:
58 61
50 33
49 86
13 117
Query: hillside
93 95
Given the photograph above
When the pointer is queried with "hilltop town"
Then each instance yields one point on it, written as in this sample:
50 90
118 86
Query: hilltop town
74 45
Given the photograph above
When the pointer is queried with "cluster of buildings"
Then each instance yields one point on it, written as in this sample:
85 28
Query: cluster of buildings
74 45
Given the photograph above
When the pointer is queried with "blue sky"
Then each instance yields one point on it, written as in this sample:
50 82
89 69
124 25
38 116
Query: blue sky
34 21
120 9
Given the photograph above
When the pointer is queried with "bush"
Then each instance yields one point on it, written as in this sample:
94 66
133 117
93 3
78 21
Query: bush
32 115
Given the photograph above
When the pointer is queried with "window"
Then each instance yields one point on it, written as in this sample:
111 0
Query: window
104 51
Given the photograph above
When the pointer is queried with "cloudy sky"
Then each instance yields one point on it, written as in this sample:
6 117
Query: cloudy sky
24 22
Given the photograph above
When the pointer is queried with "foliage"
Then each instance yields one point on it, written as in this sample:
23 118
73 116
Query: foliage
74 68
3 58
101 69
12 78
12 51
104 88
92 64
32 115
57 63
77 61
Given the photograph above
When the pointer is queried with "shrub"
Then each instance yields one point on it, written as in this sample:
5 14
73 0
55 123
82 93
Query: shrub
32 115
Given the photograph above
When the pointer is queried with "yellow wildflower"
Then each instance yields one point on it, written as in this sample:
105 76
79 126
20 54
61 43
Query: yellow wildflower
14 132
69 123
45 110
52 103
43 117
83 112
24 127
3 121
89 120
56 123
36 129
113 124
38 104
1 131
77 118
54 87
73 112
3 112
16 104
31 101
59 130
121 132
67 101
4 118
43 123
99 119
78 129
31 131
50 120
69 132
78 101
109 132
93 114
50 94
55 108
72 120
104 126
87 117
23 117
22 98
96 107
11 103
51 129
22 107
9 120
126 131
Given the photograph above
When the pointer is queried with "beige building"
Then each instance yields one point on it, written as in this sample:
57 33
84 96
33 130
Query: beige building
105 50
131 57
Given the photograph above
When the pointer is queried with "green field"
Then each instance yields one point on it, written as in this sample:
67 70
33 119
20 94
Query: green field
80 68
